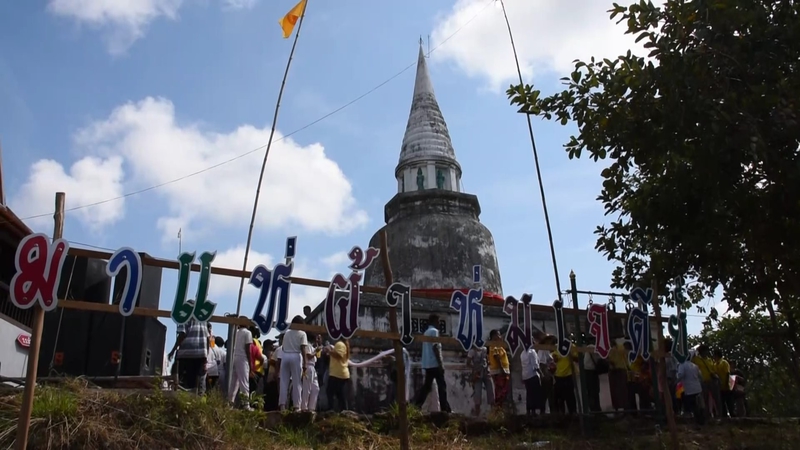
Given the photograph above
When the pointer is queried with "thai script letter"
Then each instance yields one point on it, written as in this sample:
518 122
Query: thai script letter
401 293
38 263
517 335
127 258
470 313
344 293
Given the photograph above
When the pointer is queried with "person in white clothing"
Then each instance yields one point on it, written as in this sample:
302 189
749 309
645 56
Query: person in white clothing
215 367
546 368
532 379
295 346
310 381
241 366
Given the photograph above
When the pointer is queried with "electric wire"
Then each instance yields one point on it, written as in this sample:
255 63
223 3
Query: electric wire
262 147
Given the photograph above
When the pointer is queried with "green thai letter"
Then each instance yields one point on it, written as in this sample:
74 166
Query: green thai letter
204 308
181 309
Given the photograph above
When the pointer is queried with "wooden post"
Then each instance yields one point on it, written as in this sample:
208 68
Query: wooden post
398 349
662 372
24 422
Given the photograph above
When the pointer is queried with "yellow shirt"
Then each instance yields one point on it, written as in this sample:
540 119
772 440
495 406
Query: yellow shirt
498 361
259 364
618 357
706 366
564 364
635 368
723 371
338 368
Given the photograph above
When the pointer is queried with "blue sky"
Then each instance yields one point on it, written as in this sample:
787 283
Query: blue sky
102 98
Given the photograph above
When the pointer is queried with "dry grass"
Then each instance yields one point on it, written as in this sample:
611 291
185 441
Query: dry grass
73 416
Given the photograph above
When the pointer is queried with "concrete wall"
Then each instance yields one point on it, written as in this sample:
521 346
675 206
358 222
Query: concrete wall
368 390
13 358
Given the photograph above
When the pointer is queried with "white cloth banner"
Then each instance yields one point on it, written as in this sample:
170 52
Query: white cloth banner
370 361
382 355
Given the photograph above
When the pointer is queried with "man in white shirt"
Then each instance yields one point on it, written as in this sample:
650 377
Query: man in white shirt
533 383
241 366
295 347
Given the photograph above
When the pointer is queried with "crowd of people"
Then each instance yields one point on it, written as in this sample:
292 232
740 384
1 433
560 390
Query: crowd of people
287 374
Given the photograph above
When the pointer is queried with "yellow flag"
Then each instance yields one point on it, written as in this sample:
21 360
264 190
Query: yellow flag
288 21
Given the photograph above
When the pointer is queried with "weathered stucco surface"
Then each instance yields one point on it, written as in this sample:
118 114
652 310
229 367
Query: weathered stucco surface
368 386
434 239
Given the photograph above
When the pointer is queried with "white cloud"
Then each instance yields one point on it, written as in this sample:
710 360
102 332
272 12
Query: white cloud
238 4
228 287
89 180
336 260
549 35
124 21
302 186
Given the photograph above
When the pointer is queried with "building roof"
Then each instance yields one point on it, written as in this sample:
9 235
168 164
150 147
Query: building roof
426 137
10 221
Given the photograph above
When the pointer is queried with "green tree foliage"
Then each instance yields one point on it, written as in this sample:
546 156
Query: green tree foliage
700 141
770 391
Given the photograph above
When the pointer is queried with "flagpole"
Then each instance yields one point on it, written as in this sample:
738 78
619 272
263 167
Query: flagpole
260 182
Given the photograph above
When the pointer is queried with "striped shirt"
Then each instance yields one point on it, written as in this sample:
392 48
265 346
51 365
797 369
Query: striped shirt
195 344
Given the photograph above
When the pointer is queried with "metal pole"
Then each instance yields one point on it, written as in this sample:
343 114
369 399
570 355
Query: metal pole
579 336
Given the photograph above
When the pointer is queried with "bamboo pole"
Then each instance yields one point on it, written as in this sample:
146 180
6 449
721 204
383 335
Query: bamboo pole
398 349
24 422
261 180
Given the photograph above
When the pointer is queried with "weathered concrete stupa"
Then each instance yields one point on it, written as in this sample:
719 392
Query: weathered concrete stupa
435 238
433 228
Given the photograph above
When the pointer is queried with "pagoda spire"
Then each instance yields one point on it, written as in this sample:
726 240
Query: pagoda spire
427 159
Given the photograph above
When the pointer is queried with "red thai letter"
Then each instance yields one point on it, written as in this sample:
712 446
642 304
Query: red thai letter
38 264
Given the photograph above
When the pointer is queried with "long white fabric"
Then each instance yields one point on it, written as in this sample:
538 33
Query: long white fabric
370 361
377 358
